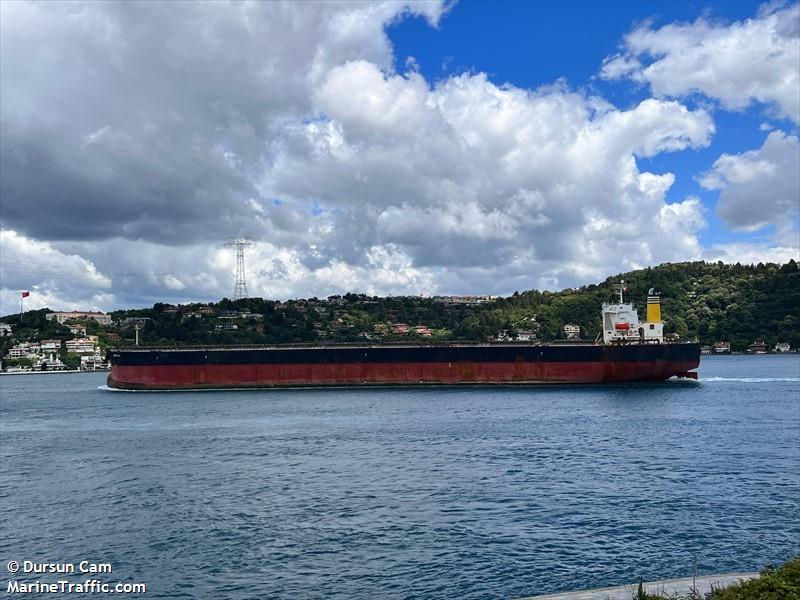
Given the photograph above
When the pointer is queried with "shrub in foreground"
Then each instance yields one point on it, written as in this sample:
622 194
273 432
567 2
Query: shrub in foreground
781 583
774 583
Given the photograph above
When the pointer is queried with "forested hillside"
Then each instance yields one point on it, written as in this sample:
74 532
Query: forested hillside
704 301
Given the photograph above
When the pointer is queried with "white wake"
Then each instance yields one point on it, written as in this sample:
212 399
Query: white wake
753 379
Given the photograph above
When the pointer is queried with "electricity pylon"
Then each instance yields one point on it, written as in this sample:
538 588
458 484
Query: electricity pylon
240 287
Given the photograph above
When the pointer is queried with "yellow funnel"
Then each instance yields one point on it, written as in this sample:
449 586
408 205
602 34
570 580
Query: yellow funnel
653 308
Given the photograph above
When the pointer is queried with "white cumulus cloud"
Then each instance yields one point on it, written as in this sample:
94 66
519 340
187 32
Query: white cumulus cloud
752 60
469 175
54 278
179 126
760 187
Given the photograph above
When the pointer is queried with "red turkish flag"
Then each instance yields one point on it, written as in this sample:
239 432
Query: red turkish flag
25 294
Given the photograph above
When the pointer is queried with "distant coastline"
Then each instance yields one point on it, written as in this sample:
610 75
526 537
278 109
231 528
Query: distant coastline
726 308
70 371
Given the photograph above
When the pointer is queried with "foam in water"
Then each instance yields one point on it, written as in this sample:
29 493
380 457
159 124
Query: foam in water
106 388
753 379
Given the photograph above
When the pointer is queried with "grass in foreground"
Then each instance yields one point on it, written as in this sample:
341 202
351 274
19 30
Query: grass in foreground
778 583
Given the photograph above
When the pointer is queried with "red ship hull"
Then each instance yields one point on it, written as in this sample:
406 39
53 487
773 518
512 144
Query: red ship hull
167 371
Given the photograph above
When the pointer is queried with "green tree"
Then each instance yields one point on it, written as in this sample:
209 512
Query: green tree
71 360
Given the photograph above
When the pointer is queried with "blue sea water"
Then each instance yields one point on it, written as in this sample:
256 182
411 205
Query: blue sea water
468 493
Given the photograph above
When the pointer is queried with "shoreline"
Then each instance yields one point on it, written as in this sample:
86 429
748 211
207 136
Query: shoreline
66 371
702 584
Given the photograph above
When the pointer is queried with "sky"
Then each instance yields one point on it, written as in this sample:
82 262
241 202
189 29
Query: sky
401 148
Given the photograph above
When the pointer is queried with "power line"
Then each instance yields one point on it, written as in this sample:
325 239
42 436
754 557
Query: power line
70 273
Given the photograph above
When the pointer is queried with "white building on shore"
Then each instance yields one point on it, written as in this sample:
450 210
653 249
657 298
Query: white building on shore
81 346
75 315
24 350
50 345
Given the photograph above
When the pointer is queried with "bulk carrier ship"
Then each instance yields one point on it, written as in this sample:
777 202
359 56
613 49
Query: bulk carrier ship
630 351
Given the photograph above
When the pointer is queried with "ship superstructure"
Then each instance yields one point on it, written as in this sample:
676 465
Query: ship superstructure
621 320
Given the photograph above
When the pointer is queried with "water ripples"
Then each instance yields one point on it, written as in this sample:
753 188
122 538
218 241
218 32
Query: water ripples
405 493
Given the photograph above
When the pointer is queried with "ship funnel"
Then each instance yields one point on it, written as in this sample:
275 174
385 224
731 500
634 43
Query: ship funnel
653 307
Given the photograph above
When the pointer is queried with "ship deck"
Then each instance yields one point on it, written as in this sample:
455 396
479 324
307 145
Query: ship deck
399 345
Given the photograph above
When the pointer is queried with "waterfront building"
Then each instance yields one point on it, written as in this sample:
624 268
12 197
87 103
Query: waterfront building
722 347
246 314
24 350
465 300
50 345
81 346
399 328
128 321
92 362
51 363
572 332
76 315
18 351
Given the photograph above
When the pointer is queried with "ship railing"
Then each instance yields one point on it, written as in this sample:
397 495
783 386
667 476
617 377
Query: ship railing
311 345
320 346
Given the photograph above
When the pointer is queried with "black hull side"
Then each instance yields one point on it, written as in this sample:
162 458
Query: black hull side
506 353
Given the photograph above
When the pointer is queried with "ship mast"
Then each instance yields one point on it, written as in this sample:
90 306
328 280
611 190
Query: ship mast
621 289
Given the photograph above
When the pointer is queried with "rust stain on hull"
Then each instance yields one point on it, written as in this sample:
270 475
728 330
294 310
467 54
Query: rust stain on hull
354 374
